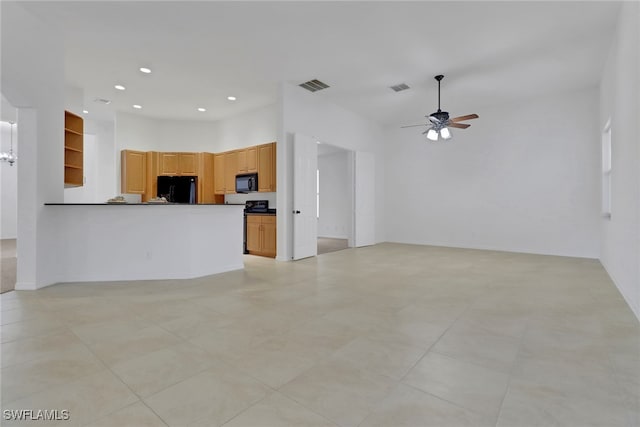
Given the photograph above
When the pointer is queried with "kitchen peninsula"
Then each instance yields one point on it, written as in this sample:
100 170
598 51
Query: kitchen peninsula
104 242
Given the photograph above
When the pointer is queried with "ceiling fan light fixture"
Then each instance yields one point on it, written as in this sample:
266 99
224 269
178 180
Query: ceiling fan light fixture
432 135
444 132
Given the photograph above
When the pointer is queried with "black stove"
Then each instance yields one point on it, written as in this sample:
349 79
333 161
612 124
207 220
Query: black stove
256 206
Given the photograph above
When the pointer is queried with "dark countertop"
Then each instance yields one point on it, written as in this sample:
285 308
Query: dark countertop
144 204
271 212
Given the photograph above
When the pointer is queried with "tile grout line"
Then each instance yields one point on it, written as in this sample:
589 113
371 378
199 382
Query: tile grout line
511 371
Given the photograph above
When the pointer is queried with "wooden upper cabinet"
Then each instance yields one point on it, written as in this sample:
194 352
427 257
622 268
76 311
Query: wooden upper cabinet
206 191
267 167
230 168
218 173
168 163
73 150
153 159
178 164
133 172
252 159
247 160
188 163
241 161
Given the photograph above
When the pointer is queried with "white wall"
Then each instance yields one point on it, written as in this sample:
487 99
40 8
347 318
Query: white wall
619 101
87 192
33 81
335 195
136 132
254 127
522 178
99 158
8 185
308 114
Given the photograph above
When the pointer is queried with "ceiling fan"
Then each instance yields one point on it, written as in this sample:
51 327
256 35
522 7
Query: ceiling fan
439 122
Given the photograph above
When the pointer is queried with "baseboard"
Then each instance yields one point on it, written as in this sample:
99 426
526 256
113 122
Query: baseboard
634 310
26 286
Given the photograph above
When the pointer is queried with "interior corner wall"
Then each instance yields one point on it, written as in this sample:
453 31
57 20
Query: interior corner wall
33 81
522 178
335 196
619 102
308 114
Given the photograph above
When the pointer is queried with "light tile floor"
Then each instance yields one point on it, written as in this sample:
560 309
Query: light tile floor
389 335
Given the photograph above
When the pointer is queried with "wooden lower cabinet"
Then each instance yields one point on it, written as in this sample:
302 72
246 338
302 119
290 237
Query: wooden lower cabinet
261 235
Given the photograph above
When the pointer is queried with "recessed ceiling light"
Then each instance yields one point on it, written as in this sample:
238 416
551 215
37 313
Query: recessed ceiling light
202 110
119 87
231 98
85 111
145 70
136 106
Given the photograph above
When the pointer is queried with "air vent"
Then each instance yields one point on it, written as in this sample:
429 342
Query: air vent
314 85
400 87
102 101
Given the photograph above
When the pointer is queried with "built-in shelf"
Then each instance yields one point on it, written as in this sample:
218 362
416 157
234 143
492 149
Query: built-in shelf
73 150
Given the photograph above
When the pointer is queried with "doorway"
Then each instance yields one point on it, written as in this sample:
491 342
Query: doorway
334 193
8 197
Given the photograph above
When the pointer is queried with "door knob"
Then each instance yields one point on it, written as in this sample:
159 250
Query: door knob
296 212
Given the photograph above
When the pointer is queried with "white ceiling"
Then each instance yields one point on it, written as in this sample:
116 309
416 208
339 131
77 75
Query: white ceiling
201 52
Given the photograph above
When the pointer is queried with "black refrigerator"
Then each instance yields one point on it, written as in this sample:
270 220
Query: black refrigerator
178 189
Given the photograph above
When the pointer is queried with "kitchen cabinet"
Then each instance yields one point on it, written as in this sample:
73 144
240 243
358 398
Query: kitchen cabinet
188 163
206 191
241 166
178 164
73 150
230 167
267 167
247 160
252 159
261 235
218 173
133 179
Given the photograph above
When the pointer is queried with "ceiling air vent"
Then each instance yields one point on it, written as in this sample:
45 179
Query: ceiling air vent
102 101
314 85
400 87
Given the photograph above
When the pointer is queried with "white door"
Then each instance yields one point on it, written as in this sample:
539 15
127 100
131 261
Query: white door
305 221
364 199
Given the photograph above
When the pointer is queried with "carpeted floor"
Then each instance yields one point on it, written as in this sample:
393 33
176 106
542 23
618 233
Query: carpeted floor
326 245
8 276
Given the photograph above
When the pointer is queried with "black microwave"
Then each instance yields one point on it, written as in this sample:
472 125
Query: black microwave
246 183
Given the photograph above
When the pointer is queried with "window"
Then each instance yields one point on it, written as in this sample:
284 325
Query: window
606 170
318 193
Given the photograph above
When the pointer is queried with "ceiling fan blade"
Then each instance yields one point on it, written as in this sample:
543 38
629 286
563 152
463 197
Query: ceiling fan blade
458 125
412 126
463 118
